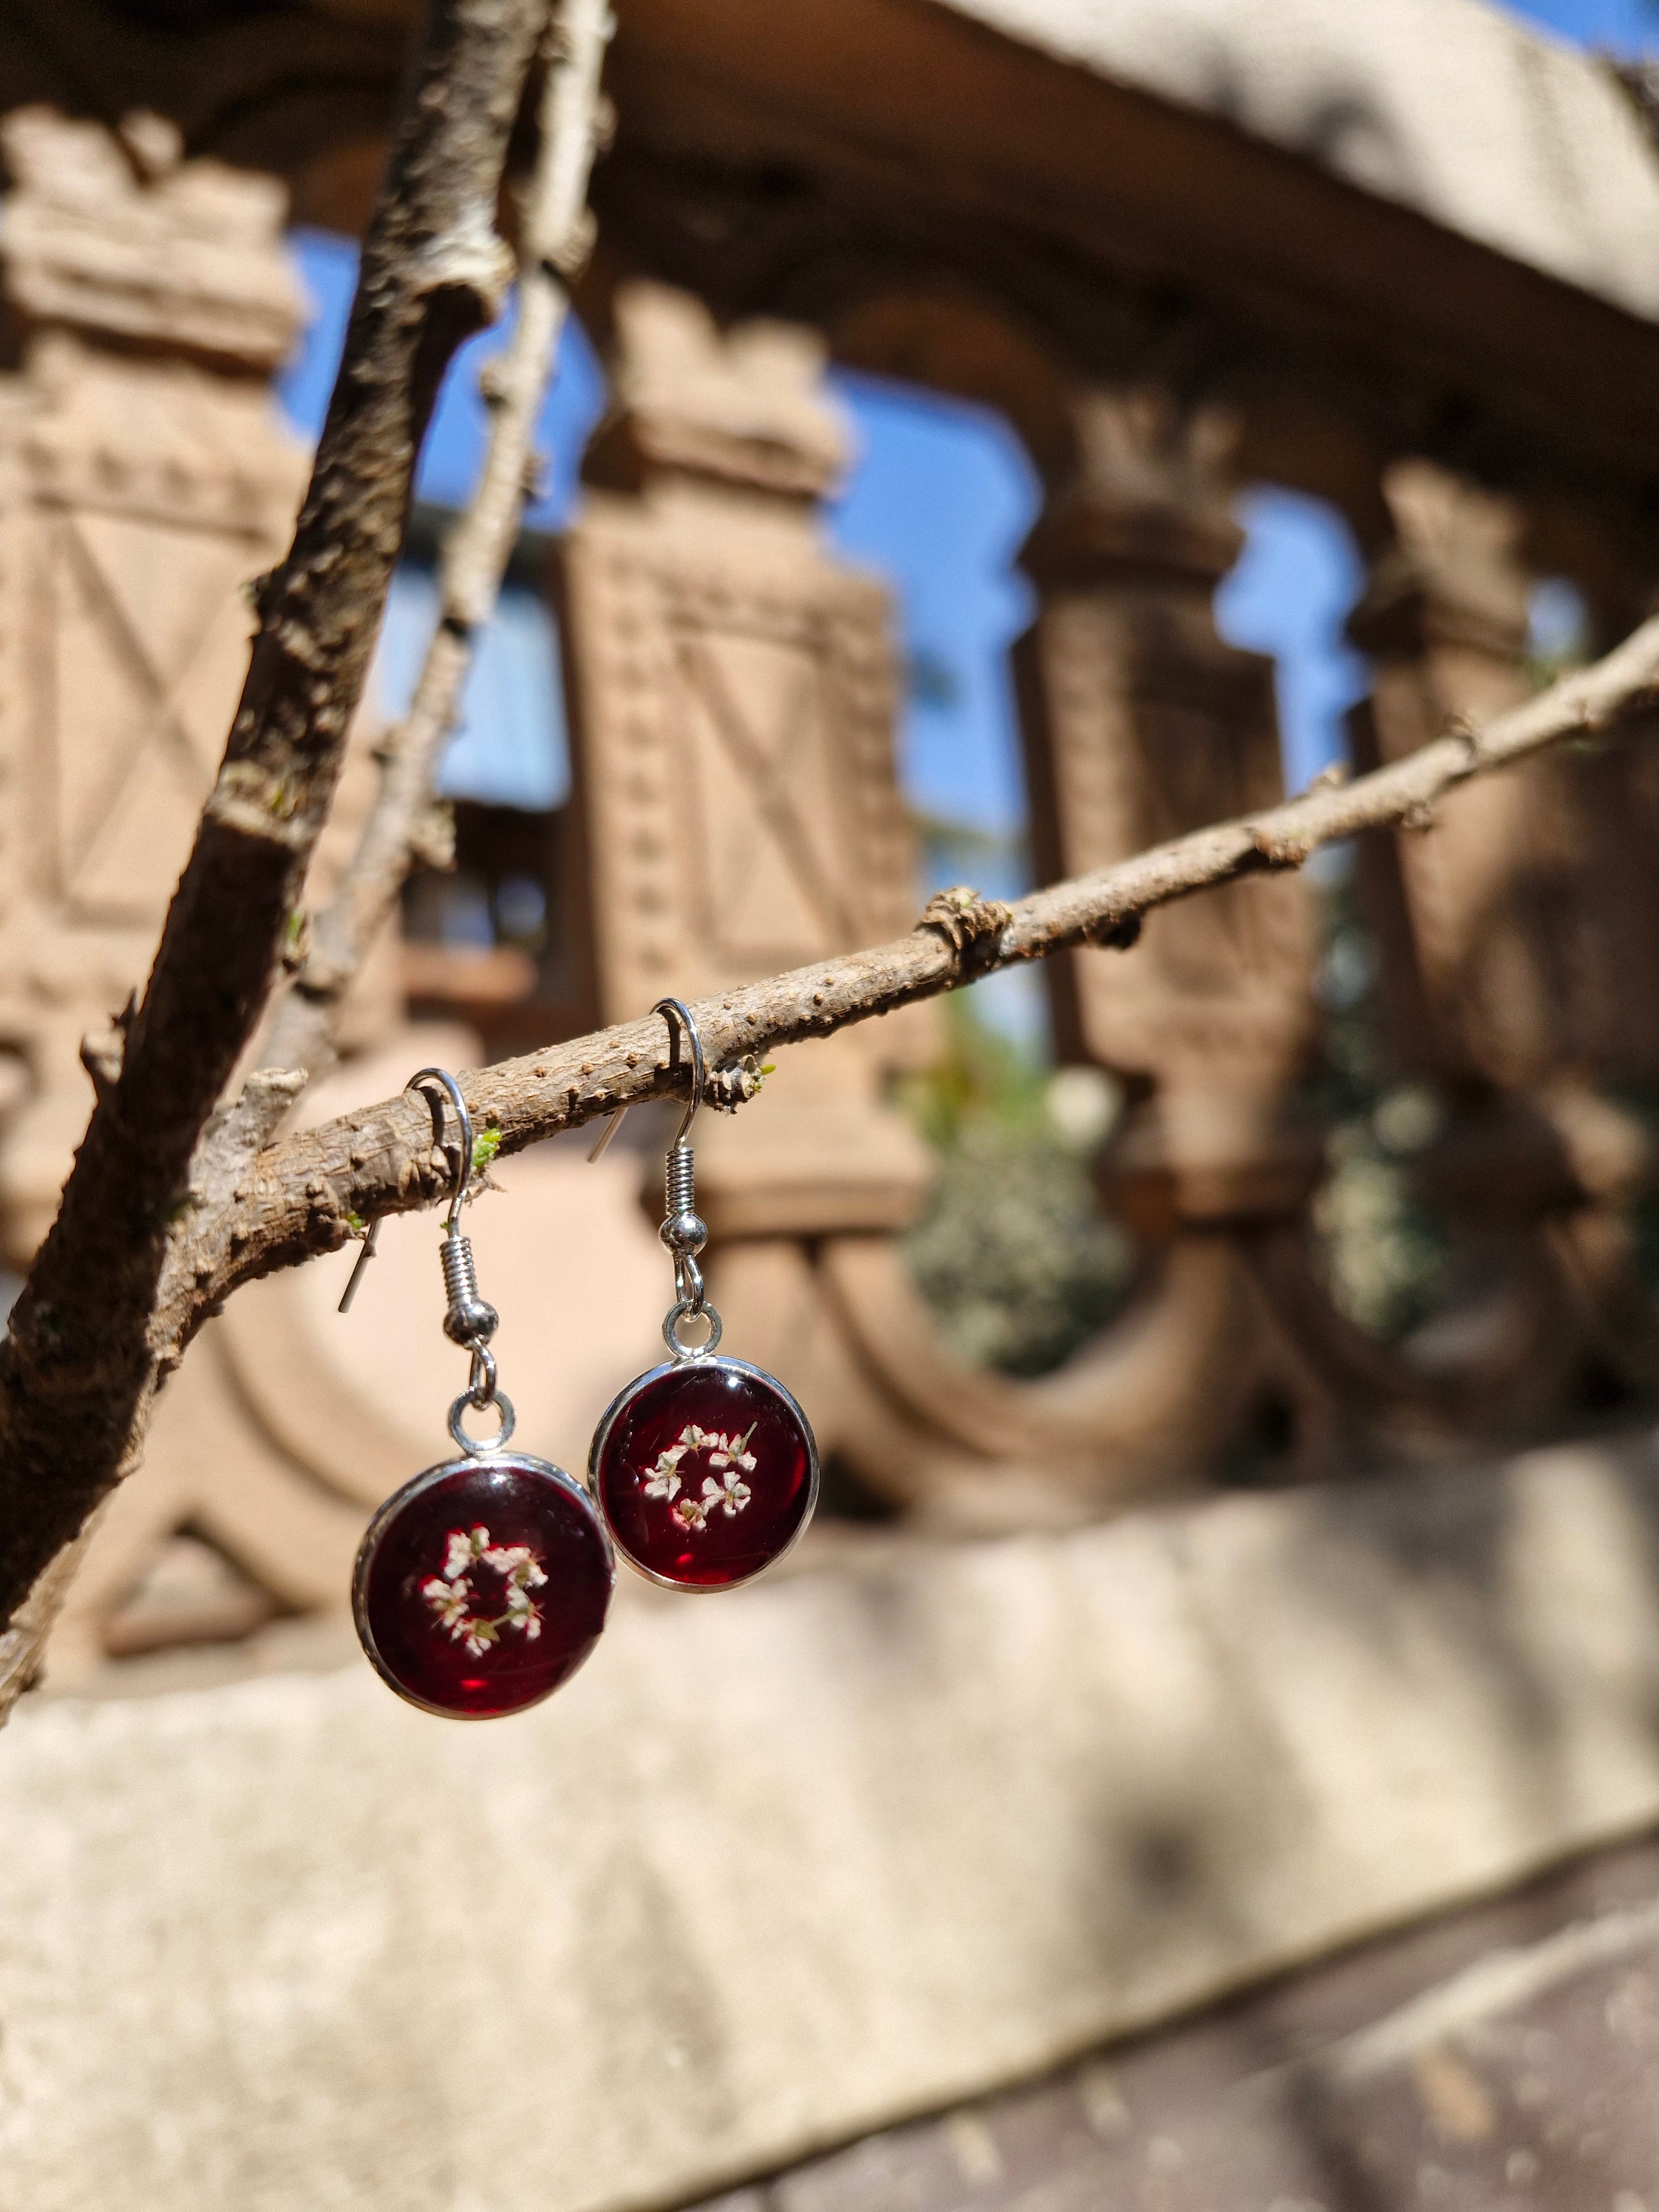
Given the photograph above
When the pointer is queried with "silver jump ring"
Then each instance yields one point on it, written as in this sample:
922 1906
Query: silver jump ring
481 1447
689 1285
684 1310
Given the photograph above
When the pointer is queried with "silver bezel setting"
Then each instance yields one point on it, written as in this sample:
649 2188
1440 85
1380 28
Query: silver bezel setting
700 1362
417 1487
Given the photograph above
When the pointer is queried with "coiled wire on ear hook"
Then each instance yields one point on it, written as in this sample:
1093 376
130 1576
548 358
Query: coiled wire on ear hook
682 1230
471 1321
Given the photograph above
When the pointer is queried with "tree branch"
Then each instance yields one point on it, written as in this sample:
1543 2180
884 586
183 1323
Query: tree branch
157 1226
114 1293
555 240
379 1160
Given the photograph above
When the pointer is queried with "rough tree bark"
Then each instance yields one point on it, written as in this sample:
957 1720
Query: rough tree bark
554 236
112 1297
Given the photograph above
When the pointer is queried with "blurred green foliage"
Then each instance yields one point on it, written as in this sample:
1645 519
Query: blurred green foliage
1020 1266
1013 1253
1386 1257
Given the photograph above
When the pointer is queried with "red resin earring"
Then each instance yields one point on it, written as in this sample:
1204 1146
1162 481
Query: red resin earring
483 1584
705 1468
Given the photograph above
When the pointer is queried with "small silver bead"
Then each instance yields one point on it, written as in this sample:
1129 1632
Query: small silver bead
471 1321
684 1232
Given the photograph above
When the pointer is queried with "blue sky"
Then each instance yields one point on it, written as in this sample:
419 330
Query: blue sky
937 501
1630 27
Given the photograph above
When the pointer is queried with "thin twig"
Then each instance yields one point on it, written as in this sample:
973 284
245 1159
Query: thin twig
554 244
377 1160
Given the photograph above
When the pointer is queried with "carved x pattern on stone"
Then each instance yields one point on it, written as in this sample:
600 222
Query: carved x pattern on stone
766 768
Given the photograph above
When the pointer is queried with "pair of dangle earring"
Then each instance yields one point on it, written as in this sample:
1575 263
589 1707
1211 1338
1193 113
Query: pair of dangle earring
483 1584
705 1468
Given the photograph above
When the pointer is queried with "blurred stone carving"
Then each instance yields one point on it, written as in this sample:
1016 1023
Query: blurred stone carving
1479 985
1516 933
734 684
731 690
1508 961
144 479
1142 724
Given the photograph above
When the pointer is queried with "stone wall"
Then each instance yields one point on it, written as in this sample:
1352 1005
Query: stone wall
775 1871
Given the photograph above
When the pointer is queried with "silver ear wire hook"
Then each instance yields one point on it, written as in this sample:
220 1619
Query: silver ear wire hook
464 1165
699 1077
471 1321
462 1170
682 1231
699 1070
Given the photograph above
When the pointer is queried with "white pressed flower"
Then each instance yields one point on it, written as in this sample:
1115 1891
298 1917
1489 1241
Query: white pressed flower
730 1492
731 1455
516 1564
663 1481
448 1601
506 1559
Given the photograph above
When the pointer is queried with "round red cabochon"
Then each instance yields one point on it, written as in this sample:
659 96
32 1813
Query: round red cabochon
482 1585
706 1472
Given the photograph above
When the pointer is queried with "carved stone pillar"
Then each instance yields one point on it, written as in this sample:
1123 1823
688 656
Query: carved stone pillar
1476 985
145 477
1141 723
1518 933
731 689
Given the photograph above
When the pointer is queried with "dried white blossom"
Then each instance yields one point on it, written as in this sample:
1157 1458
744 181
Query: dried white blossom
728 1492
450 1595
663 1481
732 1451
